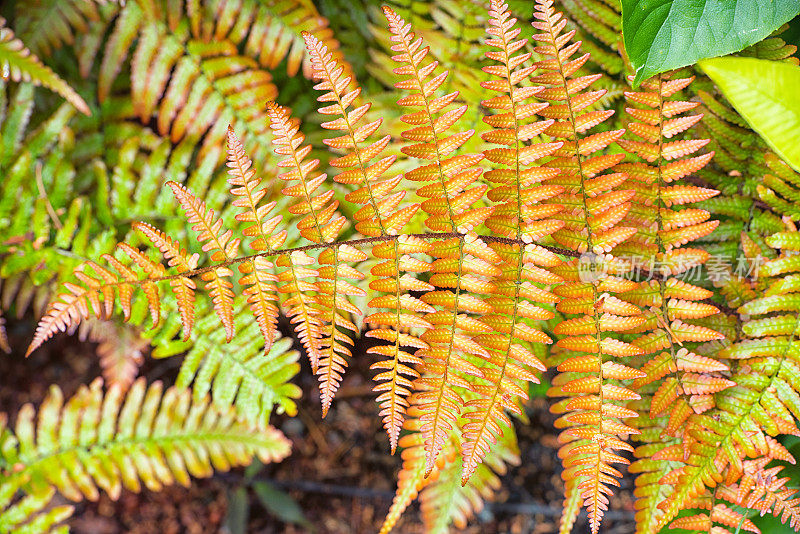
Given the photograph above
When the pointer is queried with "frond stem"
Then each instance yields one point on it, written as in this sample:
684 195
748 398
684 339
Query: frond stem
334 244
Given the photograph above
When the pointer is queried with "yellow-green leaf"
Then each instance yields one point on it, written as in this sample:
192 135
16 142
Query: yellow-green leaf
765 93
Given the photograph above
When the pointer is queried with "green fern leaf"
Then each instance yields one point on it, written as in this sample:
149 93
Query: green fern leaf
107 441
17 63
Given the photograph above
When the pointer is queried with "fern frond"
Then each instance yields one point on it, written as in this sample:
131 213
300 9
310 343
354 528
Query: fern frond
663 231
320 224
780 188
593 430
96 297
222 246
182 286
763 490
199 66
449 201
652 464
719 513
762 403
598 18
191 86
379 216
277 35
259 278
17 63
242 373
107 441
397 367
443 499
448 502
454 33
63 20
675 382
448 208
412 478
511 363
121 350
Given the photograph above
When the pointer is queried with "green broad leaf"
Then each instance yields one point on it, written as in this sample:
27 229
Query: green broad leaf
662 35
238 512
280 504
765 93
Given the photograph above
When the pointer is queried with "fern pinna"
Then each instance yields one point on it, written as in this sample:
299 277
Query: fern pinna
676 382
549 227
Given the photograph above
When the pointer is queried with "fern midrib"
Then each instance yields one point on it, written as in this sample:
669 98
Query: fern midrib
597 484
518 275
356 148
352 242
431 123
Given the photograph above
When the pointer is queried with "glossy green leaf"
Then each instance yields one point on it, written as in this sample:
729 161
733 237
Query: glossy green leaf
765 93
280 504
661 35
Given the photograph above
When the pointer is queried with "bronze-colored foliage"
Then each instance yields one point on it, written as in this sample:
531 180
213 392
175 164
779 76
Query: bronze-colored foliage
563 235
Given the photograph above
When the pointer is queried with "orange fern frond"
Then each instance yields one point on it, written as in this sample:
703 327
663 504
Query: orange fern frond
223 247
721 514
412 479
763 490
96 297
677 382
182 286
394 278
593 429
326 344
450 208
663 231
450 203
321 223
380 215
510 362
120 349
258 277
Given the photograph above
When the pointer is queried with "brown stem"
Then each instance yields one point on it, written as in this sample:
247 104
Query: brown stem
353 243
